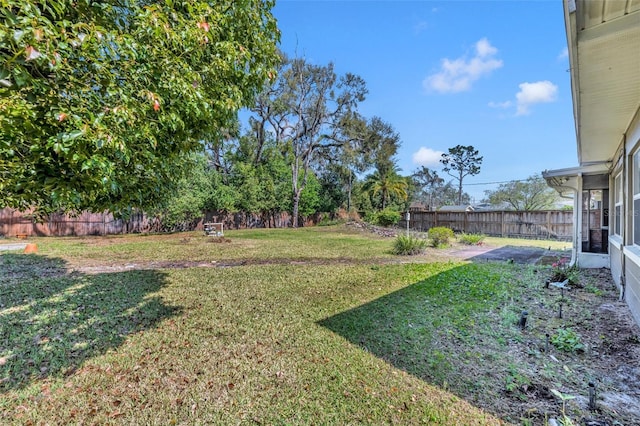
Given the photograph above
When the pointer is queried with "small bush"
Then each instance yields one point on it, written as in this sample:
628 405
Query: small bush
440 236
471 239
387 217
371 217
567 340
409 245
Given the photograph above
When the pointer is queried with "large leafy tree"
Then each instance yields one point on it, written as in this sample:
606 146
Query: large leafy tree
459 162
433 189
100 101
193 194
428 183
379 148
306 110
530 194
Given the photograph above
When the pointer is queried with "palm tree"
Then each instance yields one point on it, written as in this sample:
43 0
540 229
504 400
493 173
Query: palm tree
387 183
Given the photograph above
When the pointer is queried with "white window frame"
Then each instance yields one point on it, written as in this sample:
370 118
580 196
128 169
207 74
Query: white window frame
617 204
635 190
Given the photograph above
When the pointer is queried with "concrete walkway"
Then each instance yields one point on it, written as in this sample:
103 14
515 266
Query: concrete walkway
517 254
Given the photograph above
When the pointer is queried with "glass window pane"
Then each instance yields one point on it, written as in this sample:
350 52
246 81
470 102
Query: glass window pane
595 199
618 209
618 189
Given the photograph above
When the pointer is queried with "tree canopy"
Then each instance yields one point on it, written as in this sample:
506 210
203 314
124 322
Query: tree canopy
100 102
530 194
431 189
309 110
459 162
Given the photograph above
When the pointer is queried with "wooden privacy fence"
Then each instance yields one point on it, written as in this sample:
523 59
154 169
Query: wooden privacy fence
551 224
548 224
14 223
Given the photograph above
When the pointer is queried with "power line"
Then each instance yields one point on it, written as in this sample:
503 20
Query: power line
493 183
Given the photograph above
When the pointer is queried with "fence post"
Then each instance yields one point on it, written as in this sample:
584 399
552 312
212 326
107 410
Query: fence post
548 225
502 225
465 223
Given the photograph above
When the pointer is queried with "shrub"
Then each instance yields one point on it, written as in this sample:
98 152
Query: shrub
409 245
471 239
567 340
440 236
371 217
387 217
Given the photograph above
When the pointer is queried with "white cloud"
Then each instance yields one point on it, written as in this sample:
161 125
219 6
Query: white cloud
534 93
503 105
427 157
484 48
457 75
564 53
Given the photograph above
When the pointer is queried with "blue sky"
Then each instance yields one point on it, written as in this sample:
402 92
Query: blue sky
492 74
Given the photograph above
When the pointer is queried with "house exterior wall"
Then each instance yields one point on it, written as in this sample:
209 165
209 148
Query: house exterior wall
632 285
603 40
615 253
630 248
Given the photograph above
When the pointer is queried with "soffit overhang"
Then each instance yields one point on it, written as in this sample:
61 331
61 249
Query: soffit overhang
604 51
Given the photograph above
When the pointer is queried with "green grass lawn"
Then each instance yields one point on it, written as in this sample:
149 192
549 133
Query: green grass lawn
362 341
323 242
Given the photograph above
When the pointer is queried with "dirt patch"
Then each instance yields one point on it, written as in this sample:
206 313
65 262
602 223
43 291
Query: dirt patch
606 353
184 264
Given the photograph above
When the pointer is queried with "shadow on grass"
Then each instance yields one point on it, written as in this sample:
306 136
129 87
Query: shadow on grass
52 321
439 329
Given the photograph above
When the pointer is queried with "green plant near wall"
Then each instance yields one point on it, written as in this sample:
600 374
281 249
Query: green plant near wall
567 340
566 420
561 271
515 381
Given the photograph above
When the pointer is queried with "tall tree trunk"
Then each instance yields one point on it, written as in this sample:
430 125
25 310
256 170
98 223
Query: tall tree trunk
349 195
460 190
295 170
296 205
